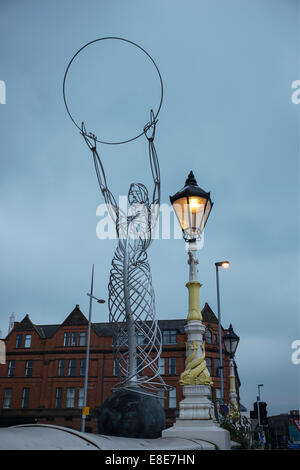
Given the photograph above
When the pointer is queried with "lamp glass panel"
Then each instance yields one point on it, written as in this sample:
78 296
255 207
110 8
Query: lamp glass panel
227 343
206 214
189 212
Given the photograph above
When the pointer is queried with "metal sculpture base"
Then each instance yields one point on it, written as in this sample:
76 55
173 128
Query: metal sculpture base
129 413
197 418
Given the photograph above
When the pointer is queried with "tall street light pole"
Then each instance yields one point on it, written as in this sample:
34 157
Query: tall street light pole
258 401
223 264
86 374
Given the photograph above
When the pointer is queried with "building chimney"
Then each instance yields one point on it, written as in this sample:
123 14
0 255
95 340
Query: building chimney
11 323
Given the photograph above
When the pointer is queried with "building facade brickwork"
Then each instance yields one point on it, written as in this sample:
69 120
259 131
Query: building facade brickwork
43 378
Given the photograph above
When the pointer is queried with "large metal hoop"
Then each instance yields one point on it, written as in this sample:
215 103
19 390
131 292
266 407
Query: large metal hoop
64 87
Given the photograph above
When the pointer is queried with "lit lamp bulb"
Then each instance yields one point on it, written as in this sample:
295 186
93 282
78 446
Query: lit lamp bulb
195 209
226 264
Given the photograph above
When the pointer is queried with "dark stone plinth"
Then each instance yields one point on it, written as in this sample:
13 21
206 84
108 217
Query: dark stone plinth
131 414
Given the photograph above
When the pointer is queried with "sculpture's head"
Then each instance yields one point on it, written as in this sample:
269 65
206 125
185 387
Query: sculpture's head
138 194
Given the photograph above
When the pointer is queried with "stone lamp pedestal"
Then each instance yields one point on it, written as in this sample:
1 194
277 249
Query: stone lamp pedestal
196 411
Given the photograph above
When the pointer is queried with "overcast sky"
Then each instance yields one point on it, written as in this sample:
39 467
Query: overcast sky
227 69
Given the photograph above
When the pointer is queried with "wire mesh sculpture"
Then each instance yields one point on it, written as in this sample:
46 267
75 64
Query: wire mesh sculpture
137 337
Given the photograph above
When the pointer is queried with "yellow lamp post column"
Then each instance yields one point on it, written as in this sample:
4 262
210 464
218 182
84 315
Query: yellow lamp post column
194 301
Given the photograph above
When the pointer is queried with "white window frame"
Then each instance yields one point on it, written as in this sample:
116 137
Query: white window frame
70 368
172 360
117 367
7 397
82 338
67 337
168 336
209 365
74 334
57 397
161 365
27 343
80 397
172 398
161 394
25 394
11 368
82 366
60 368
70 397
208 332
27 368
19 336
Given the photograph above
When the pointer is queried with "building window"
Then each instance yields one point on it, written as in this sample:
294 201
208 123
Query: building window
70 397
72 367
161 394
161 365
172 398
7 397
208 336
58 397
217 367
25 398
80 397
66 339
172 365
215 339
19 341
74 338
208 365
28 368
11 368
169 336
27 341
82 367
61 367
82 338
141 338
117 367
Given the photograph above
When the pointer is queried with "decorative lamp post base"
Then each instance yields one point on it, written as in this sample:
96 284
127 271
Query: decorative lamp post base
197 418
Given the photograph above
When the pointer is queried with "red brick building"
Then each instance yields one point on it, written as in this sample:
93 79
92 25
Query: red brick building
43 378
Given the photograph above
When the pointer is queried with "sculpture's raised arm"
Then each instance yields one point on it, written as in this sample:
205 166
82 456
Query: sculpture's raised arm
149 131
91 141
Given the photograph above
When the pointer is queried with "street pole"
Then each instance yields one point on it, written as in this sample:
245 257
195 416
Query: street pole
258 401
220 334
86 375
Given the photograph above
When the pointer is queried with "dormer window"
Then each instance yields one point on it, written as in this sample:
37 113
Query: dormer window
19 341
66 338
74 338
208 336
27 341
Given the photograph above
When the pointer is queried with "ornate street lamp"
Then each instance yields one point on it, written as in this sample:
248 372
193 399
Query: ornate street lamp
192 206
231 341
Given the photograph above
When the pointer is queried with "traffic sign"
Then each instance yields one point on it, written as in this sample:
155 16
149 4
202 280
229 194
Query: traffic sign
86 410
225 409
297 423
